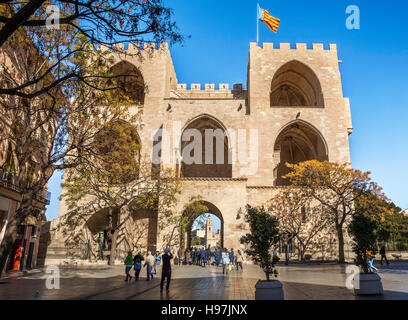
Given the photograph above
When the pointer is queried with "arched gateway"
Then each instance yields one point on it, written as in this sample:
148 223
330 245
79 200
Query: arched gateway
185 235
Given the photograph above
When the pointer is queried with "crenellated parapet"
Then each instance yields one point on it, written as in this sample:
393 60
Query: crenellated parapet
269 46
210 90
134 48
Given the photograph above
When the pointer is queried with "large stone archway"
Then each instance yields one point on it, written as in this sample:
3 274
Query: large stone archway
186 242
297 142
205 149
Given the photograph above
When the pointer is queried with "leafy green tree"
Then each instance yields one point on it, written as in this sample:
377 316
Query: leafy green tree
195 241
363 230
263 237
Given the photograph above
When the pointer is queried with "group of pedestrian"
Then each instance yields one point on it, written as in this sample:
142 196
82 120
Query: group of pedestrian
204 257
152 263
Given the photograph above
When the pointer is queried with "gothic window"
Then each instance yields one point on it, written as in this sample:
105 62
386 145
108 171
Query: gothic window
295 84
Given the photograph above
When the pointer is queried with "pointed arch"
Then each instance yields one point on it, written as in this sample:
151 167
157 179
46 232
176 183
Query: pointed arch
298 141
220 165
213 209
128 78
296 84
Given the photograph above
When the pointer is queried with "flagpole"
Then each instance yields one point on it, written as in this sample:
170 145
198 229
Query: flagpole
257 24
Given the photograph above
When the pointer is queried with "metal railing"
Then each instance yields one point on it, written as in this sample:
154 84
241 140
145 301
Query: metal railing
7 180
43 199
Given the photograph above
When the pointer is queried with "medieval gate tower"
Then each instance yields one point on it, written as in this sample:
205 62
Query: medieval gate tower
291 110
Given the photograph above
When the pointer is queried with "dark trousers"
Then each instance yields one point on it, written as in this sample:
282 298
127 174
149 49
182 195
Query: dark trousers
137 272
383 256
239 264
165 274
127 270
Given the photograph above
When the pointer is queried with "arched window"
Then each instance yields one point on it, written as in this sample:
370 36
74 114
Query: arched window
295 84
130 82
297 142
118 148
205 149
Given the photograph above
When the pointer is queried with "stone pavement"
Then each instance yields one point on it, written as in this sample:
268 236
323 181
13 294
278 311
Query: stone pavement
301 282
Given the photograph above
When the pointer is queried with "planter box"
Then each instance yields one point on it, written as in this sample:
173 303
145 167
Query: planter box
269 290
370 284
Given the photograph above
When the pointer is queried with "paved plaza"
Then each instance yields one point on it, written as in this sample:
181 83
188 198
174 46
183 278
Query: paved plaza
300 281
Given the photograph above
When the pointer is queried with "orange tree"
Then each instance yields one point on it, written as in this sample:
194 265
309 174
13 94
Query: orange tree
337 187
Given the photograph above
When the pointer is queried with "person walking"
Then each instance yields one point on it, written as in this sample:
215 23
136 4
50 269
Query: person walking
188 257
137 262
208 256
193 252
239 259
150 262
383 255
179 255
157 258
371 258
166 269
128 266
219 256
232 256
225 261
202 257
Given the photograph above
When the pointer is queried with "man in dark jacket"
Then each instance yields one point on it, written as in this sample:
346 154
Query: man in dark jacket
137 262
383 255
166 269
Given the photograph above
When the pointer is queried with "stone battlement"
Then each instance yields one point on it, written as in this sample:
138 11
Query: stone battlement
209 91
298 46
132 48
209 87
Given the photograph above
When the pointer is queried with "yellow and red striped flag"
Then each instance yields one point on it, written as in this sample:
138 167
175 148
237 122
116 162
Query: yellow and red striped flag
271 22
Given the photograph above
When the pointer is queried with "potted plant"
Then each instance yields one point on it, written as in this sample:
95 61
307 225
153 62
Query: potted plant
363 230
263 237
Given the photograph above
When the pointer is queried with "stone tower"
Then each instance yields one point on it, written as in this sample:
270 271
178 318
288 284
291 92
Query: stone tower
291 110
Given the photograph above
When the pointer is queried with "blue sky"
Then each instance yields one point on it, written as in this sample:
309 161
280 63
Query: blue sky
374 68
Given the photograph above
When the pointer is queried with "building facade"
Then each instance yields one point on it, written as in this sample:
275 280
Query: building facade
291 110
206 234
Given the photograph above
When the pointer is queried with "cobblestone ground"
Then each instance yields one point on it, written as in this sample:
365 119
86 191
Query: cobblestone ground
301 282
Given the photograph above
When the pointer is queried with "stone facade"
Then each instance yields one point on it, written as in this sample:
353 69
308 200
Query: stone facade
292 109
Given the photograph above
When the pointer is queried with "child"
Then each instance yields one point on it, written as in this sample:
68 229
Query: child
371 258
128 264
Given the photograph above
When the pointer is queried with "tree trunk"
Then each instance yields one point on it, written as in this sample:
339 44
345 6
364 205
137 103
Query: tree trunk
114 238
340 237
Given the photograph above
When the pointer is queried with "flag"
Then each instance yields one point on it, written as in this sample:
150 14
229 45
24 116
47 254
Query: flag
271 22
